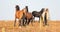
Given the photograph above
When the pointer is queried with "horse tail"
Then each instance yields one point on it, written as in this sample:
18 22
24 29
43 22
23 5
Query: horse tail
17 8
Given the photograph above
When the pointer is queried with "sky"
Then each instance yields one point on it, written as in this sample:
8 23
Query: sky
7 7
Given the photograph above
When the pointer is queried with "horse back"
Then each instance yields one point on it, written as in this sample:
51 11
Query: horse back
19 14
29 15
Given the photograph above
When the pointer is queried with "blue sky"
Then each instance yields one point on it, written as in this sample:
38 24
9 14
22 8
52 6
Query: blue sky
7 7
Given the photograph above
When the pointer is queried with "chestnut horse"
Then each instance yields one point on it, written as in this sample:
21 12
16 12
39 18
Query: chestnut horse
19 14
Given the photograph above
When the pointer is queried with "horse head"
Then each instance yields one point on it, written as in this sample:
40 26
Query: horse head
17 8
42 11
26 8
46 9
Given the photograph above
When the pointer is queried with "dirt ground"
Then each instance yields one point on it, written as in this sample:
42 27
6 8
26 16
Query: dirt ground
8 26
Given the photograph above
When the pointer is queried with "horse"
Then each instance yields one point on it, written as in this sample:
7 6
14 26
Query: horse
46 16
28 17
38 14
19 14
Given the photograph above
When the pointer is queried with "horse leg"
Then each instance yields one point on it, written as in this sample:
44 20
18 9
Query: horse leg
25 21
31 21
45 20
39 19
28 21
15 22
19 22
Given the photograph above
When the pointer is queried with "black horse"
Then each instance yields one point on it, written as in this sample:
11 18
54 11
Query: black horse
38 14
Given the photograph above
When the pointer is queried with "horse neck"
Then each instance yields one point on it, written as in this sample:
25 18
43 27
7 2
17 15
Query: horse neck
17 10
41 12
26 8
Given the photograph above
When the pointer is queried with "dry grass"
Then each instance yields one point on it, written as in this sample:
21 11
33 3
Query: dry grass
7 26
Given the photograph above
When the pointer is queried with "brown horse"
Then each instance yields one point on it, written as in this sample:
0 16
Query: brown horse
28 16
19 14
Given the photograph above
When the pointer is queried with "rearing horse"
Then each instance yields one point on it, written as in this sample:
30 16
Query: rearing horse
19 14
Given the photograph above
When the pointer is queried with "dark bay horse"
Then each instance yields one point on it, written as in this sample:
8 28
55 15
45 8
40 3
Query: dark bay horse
38 14
19 14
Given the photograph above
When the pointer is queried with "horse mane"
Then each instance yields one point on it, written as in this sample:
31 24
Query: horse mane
42 10
27 8
17 8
